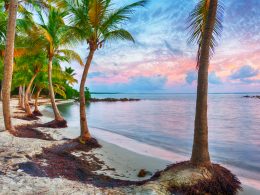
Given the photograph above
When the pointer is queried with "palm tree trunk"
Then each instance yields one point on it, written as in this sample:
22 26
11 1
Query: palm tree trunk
23 99
1 91
200 153
8 63
20 96
26 96
57 114
31 93
84 135
37 95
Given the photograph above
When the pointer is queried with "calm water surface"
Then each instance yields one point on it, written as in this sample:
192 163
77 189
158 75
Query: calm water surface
167 121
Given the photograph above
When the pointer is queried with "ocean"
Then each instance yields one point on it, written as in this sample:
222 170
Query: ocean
166 121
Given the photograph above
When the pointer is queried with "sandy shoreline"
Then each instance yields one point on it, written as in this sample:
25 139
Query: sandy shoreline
15 150
123 163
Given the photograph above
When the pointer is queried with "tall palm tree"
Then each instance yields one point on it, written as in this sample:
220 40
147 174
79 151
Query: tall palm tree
55 33
96 22
8 63
205 25
12 7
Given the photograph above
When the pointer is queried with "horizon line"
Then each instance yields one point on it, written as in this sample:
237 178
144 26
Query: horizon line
172 93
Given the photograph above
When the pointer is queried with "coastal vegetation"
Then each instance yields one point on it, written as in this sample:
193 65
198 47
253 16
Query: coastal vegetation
36 37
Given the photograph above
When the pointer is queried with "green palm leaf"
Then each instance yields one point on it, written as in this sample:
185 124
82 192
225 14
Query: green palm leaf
111 20
71 55
119 34
196 25
96 21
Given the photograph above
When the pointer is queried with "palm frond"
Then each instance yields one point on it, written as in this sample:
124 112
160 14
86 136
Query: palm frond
71 55
119 34
59 89
96 11
120 15
196 24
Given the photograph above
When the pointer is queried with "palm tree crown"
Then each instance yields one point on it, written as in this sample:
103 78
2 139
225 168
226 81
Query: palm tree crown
95 22
196 25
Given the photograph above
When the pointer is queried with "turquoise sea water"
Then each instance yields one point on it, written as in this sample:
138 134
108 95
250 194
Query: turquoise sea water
166 121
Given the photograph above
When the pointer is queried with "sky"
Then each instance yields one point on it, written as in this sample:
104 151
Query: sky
161 60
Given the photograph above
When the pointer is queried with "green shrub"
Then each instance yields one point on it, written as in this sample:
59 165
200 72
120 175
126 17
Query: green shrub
87 94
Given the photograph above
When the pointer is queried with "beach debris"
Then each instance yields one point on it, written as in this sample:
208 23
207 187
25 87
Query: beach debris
183 178
91 142
26 117
142 173
30 131
32 169
37 113
55 124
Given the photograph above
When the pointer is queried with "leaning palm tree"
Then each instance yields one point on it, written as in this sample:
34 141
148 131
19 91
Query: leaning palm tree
205 27
59 78
41 83
56 35
8 63
11 6
30 65
96 22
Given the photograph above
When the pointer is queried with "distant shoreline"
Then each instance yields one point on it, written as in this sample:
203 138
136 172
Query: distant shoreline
116 93
113 100
255 97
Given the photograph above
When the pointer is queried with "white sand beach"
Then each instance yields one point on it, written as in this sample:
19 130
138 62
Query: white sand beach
123 158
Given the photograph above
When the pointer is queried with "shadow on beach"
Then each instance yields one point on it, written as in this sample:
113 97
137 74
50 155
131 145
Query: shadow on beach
67 160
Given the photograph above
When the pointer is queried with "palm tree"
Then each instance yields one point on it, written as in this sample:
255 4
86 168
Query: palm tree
96 22
41 83
8 63
70 71
205 25
55 33
30 66
36 111
12 7
21 97
59 78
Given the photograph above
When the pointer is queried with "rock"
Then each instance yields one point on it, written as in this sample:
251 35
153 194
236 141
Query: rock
256 96
142 173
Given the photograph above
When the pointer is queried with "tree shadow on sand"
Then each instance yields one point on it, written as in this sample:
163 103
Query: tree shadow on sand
26 117
30 131
59 161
